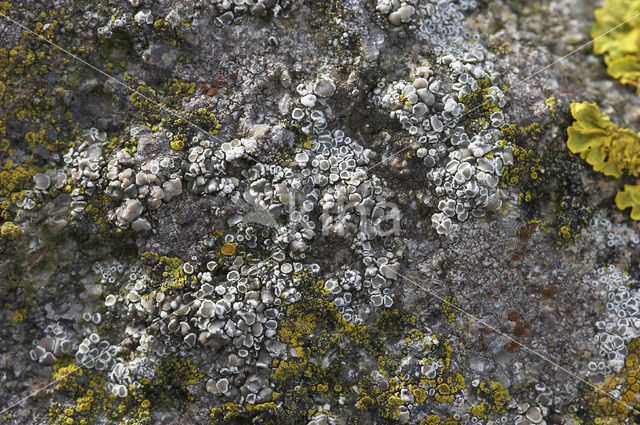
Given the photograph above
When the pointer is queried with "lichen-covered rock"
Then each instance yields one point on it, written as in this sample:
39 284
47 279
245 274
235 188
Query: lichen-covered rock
316 212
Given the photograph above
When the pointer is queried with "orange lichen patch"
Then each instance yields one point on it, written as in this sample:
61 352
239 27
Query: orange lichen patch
228 249
513 317
511 347
519 329
547 292
524 233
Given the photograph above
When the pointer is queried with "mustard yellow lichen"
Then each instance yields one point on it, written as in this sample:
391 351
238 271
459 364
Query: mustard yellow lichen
609 149
620 46
630 197
9 231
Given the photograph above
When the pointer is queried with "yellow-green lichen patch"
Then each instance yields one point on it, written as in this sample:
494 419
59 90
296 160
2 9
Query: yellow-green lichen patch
607 148
172 378
437 420
479 106
493 398
82 397
527 166
620 47
630 198
553 104
450 308
605 409
84 400
158 105
15 180
9 231
550 182
170 270
363 371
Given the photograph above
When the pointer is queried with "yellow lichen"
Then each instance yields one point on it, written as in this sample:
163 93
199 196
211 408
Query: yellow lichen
620 47
9 231
494 399
607 410
609 149
171 268
19 315
450 307
630 198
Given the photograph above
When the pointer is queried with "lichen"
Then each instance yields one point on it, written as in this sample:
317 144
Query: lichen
493 399
629 198
449 308
172 275
9 231
605 409
619 47
609 149
91 402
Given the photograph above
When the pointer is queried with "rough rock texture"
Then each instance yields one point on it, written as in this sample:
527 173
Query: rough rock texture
310 212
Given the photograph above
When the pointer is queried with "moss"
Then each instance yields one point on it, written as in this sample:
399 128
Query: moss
620 47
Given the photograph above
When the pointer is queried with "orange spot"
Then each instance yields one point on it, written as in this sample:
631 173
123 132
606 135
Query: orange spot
513 317
228 249
212 92
512 346
547 292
